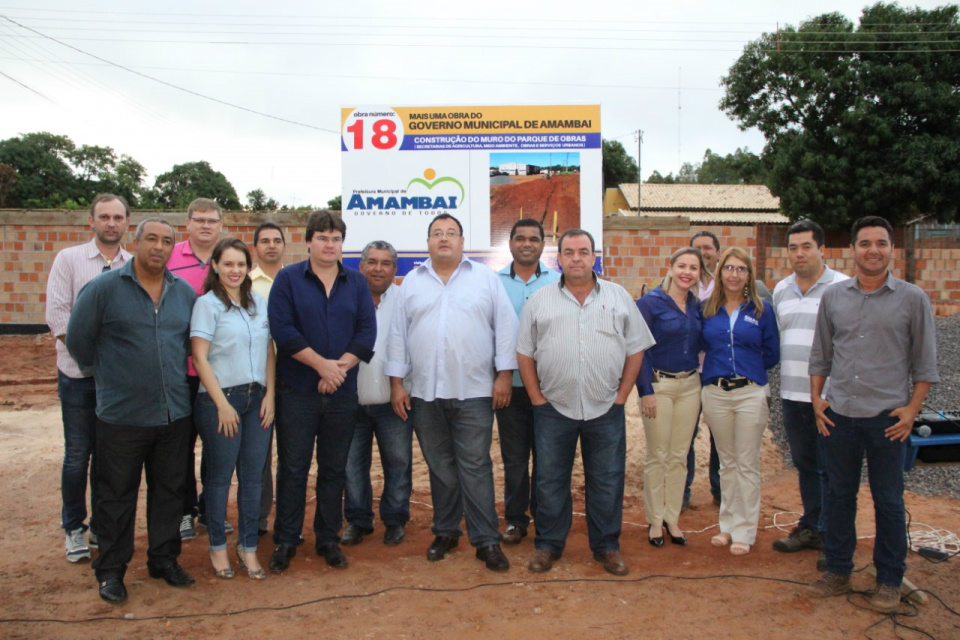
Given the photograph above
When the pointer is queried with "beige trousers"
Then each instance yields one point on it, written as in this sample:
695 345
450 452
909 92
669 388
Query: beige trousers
737 420
668 441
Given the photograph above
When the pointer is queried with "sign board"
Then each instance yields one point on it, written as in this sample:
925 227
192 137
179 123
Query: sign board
487 166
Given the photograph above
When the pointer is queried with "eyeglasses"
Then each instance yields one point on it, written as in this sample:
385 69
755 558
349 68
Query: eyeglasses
436 235
206 222
729 268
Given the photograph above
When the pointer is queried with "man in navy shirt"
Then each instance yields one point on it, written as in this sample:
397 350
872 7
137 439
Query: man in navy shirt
323 322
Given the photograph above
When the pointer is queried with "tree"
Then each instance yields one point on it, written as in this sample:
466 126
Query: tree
618 167
859 120
43 174
334 204
8 181
740 167
184 183
127 180
257 200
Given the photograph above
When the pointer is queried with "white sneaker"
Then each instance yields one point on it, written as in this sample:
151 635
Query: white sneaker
76 546
93 542
187 531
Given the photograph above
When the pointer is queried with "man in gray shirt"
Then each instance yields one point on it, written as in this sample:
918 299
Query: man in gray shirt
132 326
579 352
874 332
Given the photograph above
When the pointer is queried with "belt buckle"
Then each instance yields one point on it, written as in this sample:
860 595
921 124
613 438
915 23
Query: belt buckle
724 384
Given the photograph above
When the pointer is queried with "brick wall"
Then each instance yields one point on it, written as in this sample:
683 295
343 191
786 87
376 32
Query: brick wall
635 250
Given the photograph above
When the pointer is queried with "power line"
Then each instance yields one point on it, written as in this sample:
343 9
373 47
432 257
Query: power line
12 79
171 85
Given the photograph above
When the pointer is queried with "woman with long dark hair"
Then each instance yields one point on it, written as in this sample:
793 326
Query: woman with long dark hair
234 358
742 342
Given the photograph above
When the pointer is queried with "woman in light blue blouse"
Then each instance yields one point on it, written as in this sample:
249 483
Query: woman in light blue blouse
233 355
669 388
741 343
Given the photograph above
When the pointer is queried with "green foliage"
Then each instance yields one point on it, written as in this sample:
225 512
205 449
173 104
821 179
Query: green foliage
859 119
334 203
43 174
741 167
184 183
257 200
618 167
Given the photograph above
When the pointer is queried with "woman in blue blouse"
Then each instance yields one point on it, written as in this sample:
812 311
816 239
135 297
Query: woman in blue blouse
233 355
742 342
669 388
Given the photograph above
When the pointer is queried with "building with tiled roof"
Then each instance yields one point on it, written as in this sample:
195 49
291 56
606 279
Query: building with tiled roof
700 203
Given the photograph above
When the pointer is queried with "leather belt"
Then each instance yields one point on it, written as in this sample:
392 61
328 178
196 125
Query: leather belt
674 376
729 384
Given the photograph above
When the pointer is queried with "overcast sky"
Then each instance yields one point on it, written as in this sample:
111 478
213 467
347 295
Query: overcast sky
82 70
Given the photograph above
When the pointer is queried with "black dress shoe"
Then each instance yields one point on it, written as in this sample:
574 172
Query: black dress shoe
172 573
493 557
333 555
440 546
655 542
280 558
112 590
354 535
393 535
514 534
680 540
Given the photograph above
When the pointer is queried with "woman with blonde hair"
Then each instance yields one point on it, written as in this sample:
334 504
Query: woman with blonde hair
742 343
669 388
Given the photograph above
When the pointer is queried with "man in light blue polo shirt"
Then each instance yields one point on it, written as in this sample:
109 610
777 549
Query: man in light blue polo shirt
521 278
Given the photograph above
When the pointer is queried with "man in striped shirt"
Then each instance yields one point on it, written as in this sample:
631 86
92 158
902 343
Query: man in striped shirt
72 269
579 352
796 299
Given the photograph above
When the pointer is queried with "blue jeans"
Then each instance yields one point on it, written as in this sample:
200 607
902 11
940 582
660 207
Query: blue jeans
806 451
714 469
603 447
246 452
845 447
395 442
304 420
455 438
515 426
78 406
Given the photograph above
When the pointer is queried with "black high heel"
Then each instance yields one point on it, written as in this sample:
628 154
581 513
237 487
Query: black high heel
655 542
680 540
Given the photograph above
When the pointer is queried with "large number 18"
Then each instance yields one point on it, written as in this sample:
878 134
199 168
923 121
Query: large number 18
384 134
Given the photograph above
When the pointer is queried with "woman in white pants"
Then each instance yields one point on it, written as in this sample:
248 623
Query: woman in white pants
742 342
669 388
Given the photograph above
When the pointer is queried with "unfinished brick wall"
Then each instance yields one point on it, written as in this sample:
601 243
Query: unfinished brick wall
635 250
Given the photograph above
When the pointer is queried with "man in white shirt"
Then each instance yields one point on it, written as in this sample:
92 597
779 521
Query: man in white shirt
378 263
268 245
72 269
454 332
796 300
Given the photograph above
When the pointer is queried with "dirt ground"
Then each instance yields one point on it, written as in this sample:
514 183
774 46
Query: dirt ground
393 592
538 197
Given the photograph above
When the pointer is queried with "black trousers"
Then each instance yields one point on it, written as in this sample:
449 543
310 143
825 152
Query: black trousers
126 451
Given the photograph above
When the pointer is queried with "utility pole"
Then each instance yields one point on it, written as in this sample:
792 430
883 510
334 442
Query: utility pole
639 170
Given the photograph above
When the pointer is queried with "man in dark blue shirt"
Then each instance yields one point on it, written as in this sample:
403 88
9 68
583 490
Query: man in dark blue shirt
324 323
132 326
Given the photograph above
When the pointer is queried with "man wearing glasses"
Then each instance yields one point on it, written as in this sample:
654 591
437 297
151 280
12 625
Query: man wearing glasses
454 333
72 269
324 323
191 260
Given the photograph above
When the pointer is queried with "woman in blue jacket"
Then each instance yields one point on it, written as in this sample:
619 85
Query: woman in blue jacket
669 388
742 342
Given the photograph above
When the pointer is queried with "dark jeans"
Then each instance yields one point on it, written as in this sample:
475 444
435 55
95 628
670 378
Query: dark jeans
193 504
266 491
807 453
845 448
603 448
78 406
245 452
308 419
123 453
395 442
515 425
714 469
455 438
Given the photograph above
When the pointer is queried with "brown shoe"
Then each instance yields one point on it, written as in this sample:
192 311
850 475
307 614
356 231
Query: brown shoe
514 534
542 560
612 562
829 584
885 599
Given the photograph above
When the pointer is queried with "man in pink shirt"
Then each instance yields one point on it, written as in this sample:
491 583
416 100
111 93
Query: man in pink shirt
71 270
191 260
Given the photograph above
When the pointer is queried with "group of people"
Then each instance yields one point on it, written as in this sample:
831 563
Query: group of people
182 339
